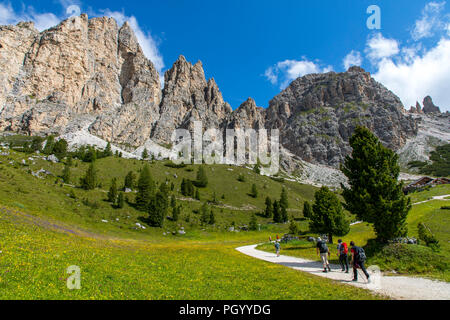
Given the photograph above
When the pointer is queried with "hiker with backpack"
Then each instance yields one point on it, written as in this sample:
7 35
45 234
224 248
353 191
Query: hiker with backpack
277 248
342 249
324 252
358 260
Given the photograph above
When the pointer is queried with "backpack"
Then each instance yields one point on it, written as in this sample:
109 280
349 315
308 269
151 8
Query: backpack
344 248
360 254
277 245
323 247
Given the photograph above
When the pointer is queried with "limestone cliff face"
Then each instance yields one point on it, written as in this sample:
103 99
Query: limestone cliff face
91 74
79 67
188 97
318 113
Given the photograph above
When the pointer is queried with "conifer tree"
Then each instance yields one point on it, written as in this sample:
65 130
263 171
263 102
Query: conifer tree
158 207
121 201
66 173
307 210
212 218
375 195
202 179
129 180
145 154
146 189
108 151
205 214
49 145
254 192
328 217
276 212
253 225
269 208
112 194
89 181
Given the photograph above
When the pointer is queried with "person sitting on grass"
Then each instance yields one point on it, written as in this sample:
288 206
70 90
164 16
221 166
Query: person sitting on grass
358 260
323 251
277 248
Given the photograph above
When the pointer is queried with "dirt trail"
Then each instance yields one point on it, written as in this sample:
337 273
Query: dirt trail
434 198
400 288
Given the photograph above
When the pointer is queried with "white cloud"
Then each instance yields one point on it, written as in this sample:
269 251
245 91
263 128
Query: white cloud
354 58
289 70
426 74
42 21
415 71
430 21
47 20
378 47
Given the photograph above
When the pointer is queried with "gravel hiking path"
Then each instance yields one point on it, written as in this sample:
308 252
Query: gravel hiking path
398 288
434 198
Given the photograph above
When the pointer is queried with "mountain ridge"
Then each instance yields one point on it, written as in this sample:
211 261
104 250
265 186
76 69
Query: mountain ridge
90 74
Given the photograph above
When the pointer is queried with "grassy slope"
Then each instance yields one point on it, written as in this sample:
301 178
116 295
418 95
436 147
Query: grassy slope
415 260
38 219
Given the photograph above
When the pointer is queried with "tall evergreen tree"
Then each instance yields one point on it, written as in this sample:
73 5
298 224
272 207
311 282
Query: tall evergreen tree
108 151
205 214
130 180
176 213
49 145
112 194
145 154
36 144
269 208
202 179
254 191
375 194
328 217
146 189
89 181
212 217
60 148
66 173
197 194
121 201
276 212
253 225
307 210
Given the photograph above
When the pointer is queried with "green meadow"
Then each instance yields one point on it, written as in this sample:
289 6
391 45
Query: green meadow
47 226
397 258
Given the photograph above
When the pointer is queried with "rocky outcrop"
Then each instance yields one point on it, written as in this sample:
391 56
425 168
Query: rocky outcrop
91 76
319 112
188 97
429 107
79 67
248 115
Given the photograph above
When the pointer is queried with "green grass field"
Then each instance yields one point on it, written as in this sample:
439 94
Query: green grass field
43 231
403 259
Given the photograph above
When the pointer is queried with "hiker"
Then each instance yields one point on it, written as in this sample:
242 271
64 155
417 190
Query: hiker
358 260
270 239
277 248
324 252
342 249
278 238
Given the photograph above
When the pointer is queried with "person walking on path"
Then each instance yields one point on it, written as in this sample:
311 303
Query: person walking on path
358 260
323 251
342 249
277 248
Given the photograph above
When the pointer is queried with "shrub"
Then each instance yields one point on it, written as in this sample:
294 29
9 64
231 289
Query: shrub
427 236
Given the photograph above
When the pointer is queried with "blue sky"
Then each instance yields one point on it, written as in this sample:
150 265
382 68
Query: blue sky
255 48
